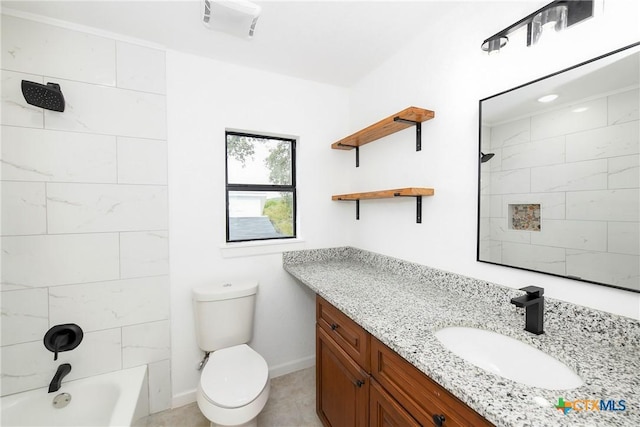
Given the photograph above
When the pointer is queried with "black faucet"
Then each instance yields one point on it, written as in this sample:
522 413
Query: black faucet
533 302
62 372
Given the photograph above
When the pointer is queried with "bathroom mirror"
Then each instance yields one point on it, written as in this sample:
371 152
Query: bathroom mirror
559 176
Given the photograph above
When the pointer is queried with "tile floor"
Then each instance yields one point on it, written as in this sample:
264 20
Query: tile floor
292 403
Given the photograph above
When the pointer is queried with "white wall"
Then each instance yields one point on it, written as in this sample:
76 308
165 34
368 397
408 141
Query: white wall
446 71
84 207
204 97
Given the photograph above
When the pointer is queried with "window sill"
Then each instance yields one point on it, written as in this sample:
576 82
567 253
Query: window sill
242 249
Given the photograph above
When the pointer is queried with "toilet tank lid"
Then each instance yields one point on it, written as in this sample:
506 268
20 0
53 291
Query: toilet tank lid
225 290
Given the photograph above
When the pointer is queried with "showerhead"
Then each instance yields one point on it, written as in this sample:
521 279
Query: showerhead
486 157
49 97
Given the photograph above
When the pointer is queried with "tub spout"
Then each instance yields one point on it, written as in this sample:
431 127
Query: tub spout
62 372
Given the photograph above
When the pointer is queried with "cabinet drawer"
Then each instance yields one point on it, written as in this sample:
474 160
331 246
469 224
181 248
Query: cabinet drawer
384 411
345 332
418 394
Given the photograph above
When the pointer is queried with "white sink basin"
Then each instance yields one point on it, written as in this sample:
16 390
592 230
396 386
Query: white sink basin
508 358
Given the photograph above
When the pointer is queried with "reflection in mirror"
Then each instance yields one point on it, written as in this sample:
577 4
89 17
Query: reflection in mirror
560 195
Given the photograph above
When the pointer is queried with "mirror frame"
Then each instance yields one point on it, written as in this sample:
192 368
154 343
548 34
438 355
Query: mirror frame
480 170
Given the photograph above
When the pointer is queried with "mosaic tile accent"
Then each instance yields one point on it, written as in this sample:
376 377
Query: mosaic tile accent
403 303
525 217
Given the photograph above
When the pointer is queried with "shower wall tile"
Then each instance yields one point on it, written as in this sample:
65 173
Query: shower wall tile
23 208
29 365
112 111
618 140
85 208
500 230
50 260
605 205
146 343
45 155
15 110
546 152
617 269
159 386
98 353
624 237
623 107
514 181
37 48
565 121
624 172
512 133
587 235
541 258
25 315
110 304
142 161
589 175
26 366
144 253
140 68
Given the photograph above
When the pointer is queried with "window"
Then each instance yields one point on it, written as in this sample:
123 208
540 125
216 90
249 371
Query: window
261 187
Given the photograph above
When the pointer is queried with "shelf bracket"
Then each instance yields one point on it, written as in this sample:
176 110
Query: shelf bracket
418 206
357 152
357 208
418 130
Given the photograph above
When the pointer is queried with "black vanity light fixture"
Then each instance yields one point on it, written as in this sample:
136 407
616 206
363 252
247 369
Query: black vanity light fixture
557 15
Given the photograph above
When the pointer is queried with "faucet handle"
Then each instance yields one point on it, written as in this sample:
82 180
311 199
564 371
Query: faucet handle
534 291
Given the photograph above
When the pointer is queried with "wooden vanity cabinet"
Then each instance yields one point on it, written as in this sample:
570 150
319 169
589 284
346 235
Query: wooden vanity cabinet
361 381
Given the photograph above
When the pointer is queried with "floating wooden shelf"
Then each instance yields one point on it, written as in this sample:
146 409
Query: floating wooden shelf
387 194
412 116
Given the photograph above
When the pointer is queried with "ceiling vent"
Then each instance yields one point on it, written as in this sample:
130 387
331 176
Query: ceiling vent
235 17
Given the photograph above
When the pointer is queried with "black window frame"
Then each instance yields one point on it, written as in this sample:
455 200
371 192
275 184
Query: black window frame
261 187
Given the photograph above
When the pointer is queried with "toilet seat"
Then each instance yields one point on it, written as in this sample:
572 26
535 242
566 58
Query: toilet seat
234 376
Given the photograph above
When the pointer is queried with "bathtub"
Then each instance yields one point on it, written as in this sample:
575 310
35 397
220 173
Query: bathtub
115 399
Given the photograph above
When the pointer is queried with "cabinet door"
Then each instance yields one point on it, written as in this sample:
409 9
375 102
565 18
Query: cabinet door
342 386
384 411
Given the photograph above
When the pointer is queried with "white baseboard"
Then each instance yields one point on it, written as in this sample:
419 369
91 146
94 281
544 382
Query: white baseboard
275 371
293 366
183 399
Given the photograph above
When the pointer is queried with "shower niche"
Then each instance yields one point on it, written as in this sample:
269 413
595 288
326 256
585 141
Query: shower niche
525 217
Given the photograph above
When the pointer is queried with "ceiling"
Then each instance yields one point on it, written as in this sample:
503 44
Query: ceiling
335 42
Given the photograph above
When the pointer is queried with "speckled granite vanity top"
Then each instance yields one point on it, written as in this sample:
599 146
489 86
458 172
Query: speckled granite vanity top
403 303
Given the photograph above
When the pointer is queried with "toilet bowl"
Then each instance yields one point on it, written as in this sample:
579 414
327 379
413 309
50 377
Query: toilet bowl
233 387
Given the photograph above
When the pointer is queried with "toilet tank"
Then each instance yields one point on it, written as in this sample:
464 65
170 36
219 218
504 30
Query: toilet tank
224 314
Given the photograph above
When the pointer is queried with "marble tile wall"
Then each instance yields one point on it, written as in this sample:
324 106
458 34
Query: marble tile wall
583 170
84 207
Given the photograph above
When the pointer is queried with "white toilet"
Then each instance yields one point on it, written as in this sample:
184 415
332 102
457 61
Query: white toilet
234 383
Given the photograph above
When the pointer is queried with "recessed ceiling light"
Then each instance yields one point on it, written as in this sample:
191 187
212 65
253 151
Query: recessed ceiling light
579 110
548 98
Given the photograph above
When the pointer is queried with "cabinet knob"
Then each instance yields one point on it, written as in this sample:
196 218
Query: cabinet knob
334 326
359 383
438 420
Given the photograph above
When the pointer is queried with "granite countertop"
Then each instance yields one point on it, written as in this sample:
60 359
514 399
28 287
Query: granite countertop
402 304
